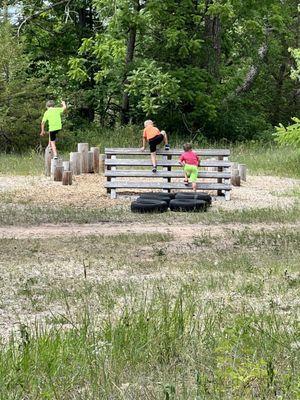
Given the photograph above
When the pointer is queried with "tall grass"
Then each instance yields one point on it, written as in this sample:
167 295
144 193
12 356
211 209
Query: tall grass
166 348
268 159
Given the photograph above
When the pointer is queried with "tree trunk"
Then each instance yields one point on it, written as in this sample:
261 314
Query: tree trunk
253 71
128 60
212 36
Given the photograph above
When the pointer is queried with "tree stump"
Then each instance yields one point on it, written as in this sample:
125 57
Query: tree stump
48 157
96 151
83 148
67 178
90 162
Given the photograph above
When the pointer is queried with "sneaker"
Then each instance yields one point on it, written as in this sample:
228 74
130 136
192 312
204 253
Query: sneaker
154 169
167 147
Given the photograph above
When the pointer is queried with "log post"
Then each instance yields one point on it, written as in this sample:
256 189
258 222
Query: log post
96 152
58 172
55 162
67 178
90 162
83 148
66 165
75 161
235 177
48 157
242 172
102 163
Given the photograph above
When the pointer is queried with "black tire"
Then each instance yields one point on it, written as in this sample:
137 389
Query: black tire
157 195
150 206
194 196
147 199
188 205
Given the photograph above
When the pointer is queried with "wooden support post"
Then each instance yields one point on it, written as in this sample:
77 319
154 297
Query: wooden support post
48 157
90 162
67 178
242 172
227 182
220 169
83 148
96 152
108 179
113 192
75 161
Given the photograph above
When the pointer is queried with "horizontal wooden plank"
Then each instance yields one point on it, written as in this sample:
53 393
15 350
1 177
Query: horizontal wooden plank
162 174
163 185
161 163
173 152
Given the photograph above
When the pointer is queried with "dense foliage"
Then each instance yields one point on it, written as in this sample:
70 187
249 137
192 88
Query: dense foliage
200 68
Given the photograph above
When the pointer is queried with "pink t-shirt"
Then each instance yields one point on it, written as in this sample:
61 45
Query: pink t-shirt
189 157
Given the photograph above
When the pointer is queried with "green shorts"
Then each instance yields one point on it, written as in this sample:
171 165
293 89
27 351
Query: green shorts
191 171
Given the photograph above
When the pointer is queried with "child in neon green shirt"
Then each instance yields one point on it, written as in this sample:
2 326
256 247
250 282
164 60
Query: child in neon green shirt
53 117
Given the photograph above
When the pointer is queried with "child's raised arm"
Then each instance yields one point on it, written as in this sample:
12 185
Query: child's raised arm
64 106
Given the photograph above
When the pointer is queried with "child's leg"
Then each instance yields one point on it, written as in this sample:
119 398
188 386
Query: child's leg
194 177
53 147
52 137
153 159
165 137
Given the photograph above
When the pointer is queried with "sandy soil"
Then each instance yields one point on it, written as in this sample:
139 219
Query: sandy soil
88 191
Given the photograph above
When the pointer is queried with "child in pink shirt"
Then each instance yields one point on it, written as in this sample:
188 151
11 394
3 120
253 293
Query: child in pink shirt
190 162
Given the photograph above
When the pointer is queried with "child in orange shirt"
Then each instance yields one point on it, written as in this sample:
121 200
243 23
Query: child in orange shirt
154 136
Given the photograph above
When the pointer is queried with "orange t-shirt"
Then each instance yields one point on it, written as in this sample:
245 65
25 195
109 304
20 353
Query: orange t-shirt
150 132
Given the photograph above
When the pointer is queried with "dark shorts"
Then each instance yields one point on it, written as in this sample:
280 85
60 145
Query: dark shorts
53 135
155 141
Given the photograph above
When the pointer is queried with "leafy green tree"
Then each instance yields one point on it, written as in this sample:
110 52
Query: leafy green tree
19 95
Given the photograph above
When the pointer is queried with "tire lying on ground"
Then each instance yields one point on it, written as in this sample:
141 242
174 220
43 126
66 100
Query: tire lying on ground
149 206
157 195
195 196
188 205
154 198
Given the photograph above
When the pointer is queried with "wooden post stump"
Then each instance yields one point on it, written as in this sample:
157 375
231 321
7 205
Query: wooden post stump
83 148
58 172
67 178
242 171
96 152
66 165
55 162
90 162
48 157
75 161
235 177
102 163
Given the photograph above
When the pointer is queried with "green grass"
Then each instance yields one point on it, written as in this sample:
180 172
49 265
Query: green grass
268 159
147 317
27 214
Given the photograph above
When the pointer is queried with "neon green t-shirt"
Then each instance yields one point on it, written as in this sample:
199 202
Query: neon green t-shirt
53 116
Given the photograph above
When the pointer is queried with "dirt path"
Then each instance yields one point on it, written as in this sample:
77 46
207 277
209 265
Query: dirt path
110 229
